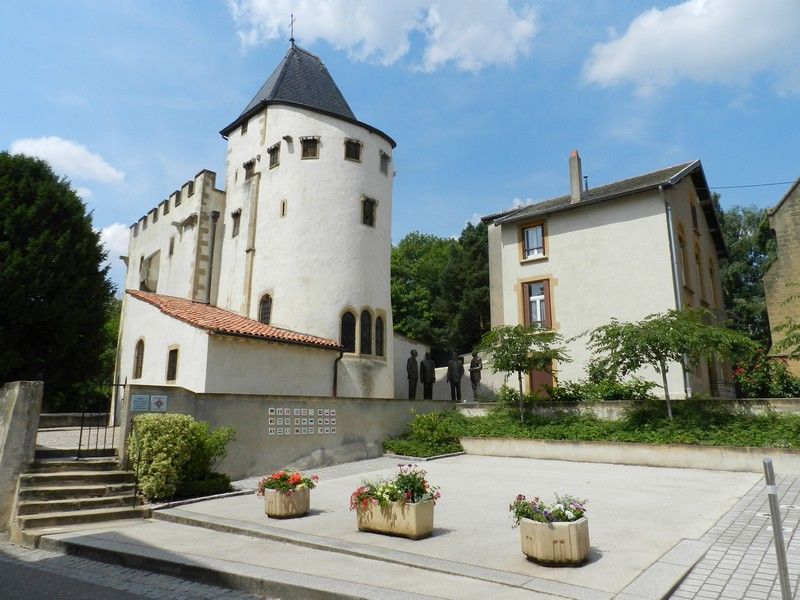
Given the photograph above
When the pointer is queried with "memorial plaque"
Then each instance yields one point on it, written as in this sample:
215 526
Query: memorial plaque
158 403
140 403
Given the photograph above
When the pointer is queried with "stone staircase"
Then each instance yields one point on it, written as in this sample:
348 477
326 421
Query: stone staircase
61 491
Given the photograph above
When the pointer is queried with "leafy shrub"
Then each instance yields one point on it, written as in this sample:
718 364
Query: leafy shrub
172 454
766 377
702 422
430 434
586 390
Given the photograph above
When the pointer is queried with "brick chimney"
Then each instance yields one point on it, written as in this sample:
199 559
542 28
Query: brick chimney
575 178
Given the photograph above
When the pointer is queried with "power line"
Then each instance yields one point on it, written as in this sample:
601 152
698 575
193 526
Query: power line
752 185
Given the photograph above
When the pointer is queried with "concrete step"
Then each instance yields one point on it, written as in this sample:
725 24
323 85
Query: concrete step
65 492
74 478
92 515
60 465
36 507
43 452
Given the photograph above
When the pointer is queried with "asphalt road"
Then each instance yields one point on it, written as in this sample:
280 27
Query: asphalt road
21 582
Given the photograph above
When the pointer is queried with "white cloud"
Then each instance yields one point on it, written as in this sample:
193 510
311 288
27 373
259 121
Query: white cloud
710 41
471 34
114 238
69 158
84 193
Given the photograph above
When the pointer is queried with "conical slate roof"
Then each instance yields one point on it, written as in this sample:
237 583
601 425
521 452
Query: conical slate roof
300 79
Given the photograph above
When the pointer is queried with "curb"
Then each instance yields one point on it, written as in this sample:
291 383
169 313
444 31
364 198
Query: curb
421 458
427 563
262 581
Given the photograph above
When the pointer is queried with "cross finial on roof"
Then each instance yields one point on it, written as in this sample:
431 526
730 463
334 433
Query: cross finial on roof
291 28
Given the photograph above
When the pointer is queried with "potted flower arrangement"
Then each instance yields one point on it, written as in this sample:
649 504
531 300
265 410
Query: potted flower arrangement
400 506
557 533
286 493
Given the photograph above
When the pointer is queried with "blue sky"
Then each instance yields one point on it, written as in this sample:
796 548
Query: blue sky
485 99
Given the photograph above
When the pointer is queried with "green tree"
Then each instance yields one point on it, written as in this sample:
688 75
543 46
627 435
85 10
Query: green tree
440 289
520 349
676 336
54 293
751 249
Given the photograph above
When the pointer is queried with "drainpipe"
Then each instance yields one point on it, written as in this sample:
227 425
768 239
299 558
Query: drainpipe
336 372
214 219
676 281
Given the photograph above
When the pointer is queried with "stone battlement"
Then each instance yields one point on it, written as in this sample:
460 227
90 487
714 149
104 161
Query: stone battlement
179 197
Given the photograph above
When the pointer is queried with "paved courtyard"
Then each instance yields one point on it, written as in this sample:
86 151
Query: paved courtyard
648 527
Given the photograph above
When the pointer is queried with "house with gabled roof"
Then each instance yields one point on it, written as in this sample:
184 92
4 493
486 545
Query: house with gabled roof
276 282
623 250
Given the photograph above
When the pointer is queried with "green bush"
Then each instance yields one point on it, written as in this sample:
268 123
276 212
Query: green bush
701 422
173 454
766 377
430 434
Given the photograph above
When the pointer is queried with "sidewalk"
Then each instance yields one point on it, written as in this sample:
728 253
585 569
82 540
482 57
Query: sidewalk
648 527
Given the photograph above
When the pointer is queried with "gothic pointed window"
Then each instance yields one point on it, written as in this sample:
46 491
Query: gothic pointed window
265 309
366 332
348 332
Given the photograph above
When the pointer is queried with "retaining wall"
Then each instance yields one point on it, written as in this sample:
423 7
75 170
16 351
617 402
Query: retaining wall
344 429
721 458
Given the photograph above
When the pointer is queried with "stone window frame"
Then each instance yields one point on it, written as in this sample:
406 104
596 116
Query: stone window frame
521 229
547 301
138 359
274 153
379 341
351 347
365 333
265 304
236 218
305 144
249 169
353 143
385 160
369 211
172 365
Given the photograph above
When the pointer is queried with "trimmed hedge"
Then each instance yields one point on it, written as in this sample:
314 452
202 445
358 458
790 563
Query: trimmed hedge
174 454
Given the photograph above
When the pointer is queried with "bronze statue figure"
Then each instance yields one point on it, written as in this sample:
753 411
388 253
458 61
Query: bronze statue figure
413 374
427 375
475 366
455 371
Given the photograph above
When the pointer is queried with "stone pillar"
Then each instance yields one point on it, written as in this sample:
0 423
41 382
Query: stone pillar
20 405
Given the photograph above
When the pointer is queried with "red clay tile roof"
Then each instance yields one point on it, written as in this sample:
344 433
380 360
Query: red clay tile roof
225 322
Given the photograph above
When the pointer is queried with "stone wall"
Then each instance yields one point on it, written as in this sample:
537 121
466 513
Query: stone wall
20 405
613 410
351 428
784 219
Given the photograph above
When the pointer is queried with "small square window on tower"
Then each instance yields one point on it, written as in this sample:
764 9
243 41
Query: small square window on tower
235 219
368 206
385 163
249 169
274 155
352 150
310 147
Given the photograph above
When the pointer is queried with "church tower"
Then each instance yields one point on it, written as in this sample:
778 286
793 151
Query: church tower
307 221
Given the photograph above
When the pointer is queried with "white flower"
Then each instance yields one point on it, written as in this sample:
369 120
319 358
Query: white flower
570 514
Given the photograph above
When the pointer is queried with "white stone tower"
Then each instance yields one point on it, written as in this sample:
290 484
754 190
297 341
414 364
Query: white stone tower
305 234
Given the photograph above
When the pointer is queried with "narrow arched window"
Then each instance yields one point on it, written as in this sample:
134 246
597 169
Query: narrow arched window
379 336
366 332
138 359
265 309
348 333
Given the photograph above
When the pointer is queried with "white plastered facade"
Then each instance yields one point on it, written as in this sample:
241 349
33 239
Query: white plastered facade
610 259
301 239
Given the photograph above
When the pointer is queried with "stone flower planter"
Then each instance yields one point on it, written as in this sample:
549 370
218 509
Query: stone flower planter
555 543
285 506
414 521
